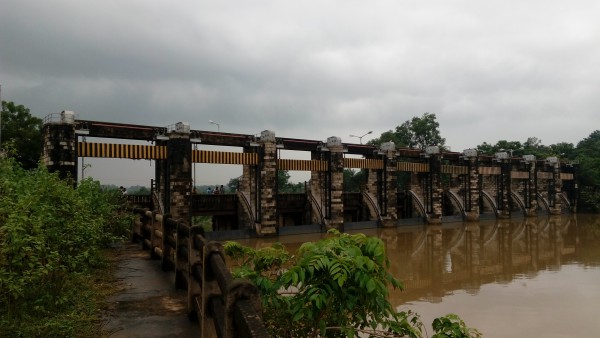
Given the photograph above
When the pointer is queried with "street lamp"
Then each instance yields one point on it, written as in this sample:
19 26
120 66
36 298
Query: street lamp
360 137
218 125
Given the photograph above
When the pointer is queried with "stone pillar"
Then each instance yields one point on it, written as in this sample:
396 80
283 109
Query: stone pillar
531 192
336 183
161 181
374 188
179 173
246 182
318 188
390 212
472 200
504 188
434 212
59 152
372 182
555 187
268 184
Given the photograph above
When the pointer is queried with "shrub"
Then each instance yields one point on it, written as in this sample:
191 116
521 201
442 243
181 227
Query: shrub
336 287
51 237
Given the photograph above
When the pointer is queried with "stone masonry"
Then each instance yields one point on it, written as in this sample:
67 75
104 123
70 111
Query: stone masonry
179 150
268 178
60 146
336 170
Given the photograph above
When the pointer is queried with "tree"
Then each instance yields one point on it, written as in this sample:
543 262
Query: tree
284 185
532 146
138 190
419 132
354 179
513 147
564 150
234 183
21 134
588 156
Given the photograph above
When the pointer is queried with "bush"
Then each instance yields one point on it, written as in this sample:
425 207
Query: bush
51 237
336 287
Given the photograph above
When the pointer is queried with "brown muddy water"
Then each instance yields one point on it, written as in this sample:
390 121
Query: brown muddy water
523 277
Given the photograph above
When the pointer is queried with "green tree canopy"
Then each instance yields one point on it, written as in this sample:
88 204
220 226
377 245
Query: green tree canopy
419 132
354 179
532 146
588 156
21 134
234 183
284 185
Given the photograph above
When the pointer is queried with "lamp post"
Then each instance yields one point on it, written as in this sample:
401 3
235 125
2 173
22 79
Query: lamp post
360 137
218 125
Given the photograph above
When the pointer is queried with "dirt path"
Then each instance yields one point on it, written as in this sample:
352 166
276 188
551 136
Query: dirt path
148 304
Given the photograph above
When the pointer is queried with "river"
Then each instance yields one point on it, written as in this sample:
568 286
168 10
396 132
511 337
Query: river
520 277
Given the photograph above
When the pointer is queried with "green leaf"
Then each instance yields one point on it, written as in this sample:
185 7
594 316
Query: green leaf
370 286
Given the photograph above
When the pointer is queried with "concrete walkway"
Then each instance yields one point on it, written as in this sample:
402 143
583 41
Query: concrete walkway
148 304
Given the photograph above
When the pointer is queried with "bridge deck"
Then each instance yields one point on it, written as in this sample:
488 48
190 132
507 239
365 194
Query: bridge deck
147 304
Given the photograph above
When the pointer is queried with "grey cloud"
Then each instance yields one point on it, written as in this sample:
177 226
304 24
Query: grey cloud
308 69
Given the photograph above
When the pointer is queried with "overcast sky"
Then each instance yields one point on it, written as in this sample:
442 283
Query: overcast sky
489 70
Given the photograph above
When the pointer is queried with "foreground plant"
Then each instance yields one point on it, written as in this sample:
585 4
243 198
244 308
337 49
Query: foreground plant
51 236
336 287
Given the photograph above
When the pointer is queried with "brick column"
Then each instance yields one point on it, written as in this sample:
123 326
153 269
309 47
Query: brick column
531 210
472 198
161 180
374 188
434 212
555 186
179 173
268 184
318 187
504 186
59 152
390 212
248 186
336 183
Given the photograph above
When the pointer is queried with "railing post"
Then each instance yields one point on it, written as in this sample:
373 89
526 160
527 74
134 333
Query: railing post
240 296
136 228
146 231
166 263
181 255
194 287
156 236
210 289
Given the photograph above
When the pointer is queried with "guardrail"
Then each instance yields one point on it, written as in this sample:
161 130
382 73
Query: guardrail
225 307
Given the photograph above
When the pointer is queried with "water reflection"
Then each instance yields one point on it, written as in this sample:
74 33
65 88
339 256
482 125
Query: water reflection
488 272
433 260
436 260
